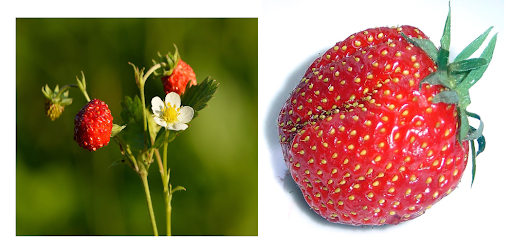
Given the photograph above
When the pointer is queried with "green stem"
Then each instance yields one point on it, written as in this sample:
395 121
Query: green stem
144 113
144 177
64 88
151 70
166 180
86 95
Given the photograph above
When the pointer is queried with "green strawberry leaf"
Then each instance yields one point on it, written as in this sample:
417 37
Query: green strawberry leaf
448 97
131 114
130 111
425 44
467 65
117 162
473 159
476 74
437 78
196 96
475 133
471 48
178 188
481 144
464 124
116 129
153 127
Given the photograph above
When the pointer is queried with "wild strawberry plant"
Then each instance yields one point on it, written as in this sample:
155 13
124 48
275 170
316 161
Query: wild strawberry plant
143 130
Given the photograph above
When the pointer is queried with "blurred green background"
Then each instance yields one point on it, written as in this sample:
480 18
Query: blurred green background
62 189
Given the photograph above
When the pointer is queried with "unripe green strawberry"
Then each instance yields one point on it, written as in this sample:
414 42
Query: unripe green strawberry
93 125
53 110
55 101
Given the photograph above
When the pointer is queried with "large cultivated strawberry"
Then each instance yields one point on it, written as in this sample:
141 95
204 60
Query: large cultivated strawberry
93 125
377 132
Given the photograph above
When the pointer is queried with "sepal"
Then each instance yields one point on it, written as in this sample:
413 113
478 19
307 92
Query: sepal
168 63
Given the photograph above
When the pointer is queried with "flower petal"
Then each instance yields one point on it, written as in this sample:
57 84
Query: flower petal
186 114
160 121
157 105
177 126
174 99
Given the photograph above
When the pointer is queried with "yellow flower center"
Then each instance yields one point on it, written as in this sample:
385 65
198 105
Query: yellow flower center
170 114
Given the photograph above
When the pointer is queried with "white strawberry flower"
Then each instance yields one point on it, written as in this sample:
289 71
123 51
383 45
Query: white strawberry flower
170 114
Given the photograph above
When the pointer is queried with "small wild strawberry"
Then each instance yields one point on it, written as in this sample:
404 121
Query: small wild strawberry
93 125
176 74
377 131
178 80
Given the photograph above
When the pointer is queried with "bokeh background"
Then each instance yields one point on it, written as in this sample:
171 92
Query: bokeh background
62 189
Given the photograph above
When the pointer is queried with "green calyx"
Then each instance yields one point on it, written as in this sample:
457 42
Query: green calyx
458 77
169 62
56 100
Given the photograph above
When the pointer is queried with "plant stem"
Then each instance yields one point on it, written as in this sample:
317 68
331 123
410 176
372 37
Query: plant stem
152 69
144 177
167 195
66 87
144 113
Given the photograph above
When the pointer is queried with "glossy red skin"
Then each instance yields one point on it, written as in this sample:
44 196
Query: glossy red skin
345 176
177 81
93 125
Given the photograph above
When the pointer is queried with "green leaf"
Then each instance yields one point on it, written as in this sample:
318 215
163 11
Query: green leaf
475 134
131 110
448 97
196 96
66 101
476 74
437 78
473 159
178 188
464 124
481 144
116 129
131 114
153 127
445 39
471 48
425 44
117 162
467 65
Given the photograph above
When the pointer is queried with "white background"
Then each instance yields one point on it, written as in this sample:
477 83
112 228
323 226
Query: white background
294 33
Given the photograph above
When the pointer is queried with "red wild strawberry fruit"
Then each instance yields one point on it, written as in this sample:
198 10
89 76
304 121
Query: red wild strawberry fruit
377 132
175 73
178 80
93 125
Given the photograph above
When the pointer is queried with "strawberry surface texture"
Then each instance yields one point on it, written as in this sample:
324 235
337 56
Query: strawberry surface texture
178 80
93 125
364 142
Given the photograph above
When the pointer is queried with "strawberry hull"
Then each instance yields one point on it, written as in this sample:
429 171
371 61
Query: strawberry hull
363 143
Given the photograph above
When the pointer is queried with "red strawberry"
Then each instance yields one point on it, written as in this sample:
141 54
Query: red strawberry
93 125
364 143
178 80
175 73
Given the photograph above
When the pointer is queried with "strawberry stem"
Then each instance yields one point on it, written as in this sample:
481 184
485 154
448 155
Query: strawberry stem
144 178
166 178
